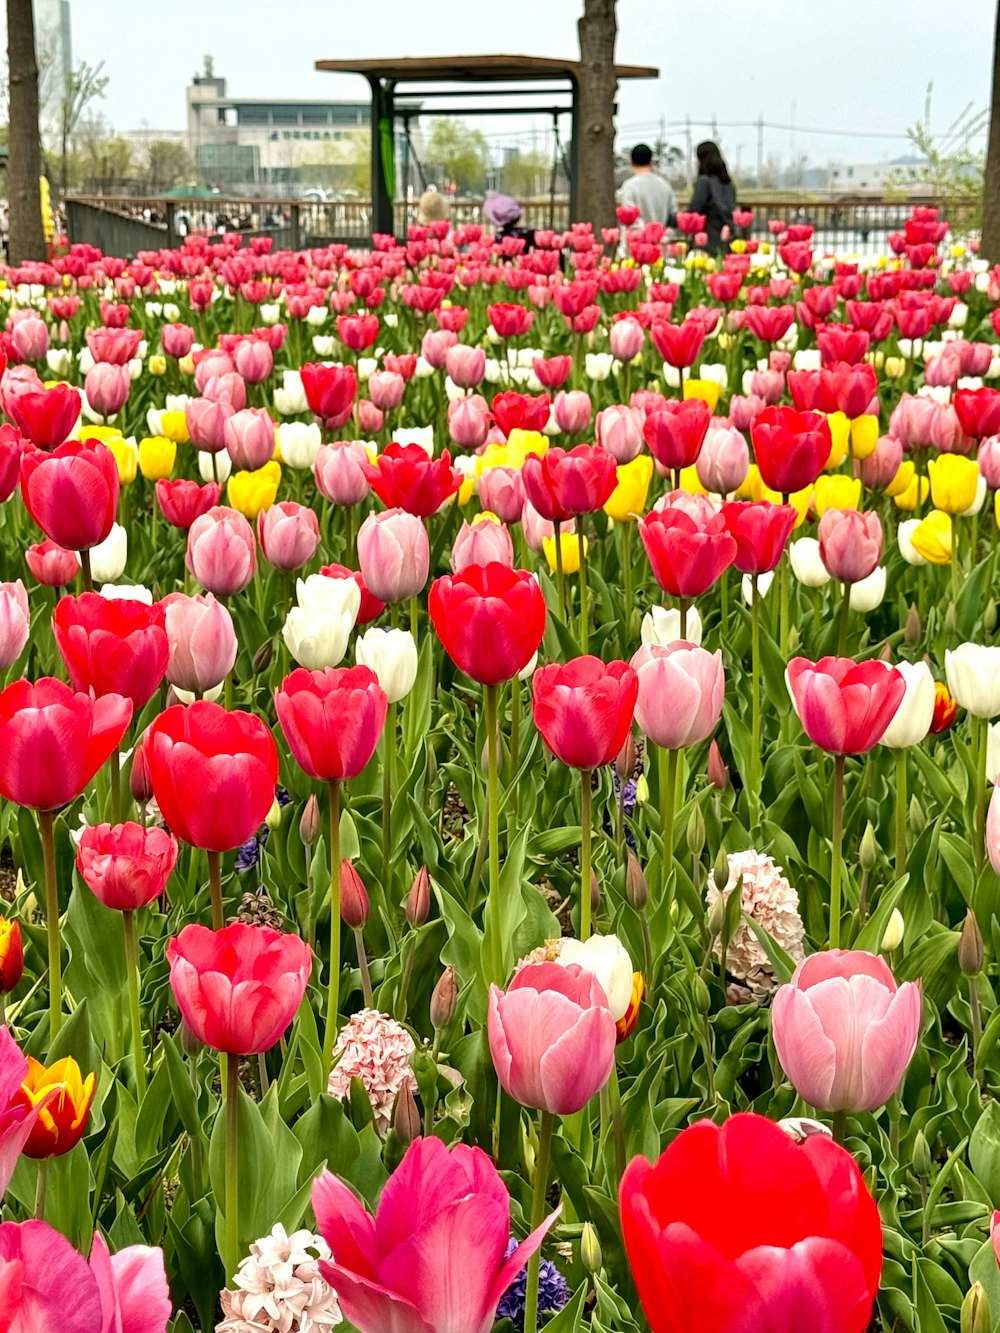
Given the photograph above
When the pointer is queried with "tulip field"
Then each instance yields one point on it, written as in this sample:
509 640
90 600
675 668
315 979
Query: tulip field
497 809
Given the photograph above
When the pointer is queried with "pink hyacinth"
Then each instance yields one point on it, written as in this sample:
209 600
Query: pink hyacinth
376 1049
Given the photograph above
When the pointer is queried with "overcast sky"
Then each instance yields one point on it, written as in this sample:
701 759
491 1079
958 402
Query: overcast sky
860 67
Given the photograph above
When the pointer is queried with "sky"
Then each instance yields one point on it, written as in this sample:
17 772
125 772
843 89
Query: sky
858 67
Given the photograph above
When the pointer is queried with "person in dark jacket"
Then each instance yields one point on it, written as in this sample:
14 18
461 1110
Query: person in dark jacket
714 196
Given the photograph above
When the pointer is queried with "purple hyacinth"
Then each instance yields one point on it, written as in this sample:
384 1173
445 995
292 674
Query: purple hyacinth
553 1293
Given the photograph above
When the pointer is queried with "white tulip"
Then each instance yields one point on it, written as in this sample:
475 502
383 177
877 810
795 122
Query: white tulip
661 625
422 435
913 718
598 365
424 369
108 558
291 397
993 752
716 372
367 366
807 358
807 566
606 958
189 696
316 631
171 312
154 309
316 316
904 537
299 442
392 655
58 360
208 463
764 582
973 674
892 937
494 371
270 312
127 592
323 345
958 316
867 594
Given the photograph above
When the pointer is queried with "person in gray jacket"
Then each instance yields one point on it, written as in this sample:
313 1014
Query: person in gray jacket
714 196
647 191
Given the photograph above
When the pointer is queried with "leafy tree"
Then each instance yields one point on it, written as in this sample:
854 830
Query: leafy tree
527 175
167 163
83 85
460 151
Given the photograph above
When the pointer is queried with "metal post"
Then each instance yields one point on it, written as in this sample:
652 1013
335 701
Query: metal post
574 152
296 227
171 208
382 109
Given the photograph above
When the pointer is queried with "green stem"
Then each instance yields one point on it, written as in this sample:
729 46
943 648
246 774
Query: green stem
724 603
232 1228
46 825
333 991
389 743
980 747
560 576
900 849
586 834
366 976
537 1215
40 1183
496 969
845 616
627 530
414 611
668 760
618 1126
584 625
215 887
838 842
85 574
115 774
755 762
132 967
977 1018
839 1126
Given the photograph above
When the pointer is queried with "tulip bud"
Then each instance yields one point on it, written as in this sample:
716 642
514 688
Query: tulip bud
885 653
720 871
921 1158
700 994
868 854
590 1251
405 1116
716 917
718 773
636 888
893 936
627 757
444 1000
951 619
696 832
913 629
970 946
11 954
354 905
418 900
190 1044
990 616
793 638
641 790
263 657
976 1316
309 823
139 781
484 760
918 820
273 817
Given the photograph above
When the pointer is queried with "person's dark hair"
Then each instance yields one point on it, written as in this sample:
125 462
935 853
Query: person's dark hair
642 155
711 161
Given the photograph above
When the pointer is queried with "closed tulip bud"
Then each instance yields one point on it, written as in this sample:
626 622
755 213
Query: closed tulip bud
720 871
696 832
921 1158
263 657
444 1000
892 937
700 994
917 818
11 954
716 916
976 1316
139 781
626 761
970 946
405 1116
642 790
309 823
913 630
636 888
418 900
868 854
354 905
718 773
273 817
990 616
190 1044
950 619
590 1251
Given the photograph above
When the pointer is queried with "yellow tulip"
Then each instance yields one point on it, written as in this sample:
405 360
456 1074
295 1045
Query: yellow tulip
915 493
954 480
174 427
157 456
752 487
837 492
903 477
864 436
738 246
466 491
996 507
706 390
688 481
570 551
521 443
894 368
932 537
799 500
103 433
250 492
127 458
628 499
157 365
840 432
186 364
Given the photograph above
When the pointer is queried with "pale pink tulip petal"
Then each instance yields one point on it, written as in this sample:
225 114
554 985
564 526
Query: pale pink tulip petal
133 1288
806 1053
841 963
888 1045
559 1066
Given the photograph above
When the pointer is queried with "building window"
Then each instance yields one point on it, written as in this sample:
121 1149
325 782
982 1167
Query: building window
284 115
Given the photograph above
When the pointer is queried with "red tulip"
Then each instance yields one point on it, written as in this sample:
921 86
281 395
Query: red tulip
330 392
213 773
371 607
112 645
46 416
332 719
740 1227
676 432
490 620
53 741
978 411
404 477
519 411
770 323
584 709
510 321
687 553
761 532
848 389
844 706
182 501
357 332
126 866
238 988
791 448
563 483
552 372
12 444
71 493
678 344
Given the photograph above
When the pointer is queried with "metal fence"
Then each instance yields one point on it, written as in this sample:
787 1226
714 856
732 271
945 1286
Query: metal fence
126 225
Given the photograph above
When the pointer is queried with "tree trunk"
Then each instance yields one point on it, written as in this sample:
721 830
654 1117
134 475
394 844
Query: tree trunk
24 168
991 184
595 123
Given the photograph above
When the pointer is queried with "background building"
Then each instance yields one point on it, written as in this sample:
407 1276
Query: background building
53 45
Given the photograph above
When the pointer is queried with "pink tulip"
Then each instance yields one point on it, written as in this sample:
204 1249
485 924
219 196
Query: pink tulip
221 551
844 1031
249 438
45 1285
619 430
228 388
724 461
844 706
481 543
626 339
534 526
879 468
768 385
16 1119
51 564
993 825
501 492
385 389
434 346
107 388
340 474
743 410
288 534
210 365
206 423
946 431
132 1285
552 1037
432 1259
370 419
394 555
572 411
176 339
681 689
468 422
14 622
988 459
201 641
466 366
254 360
850 543
30 337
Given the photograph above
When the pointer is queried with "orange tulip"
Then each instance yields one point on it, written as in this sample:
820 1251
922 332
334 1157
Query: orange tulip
67 1098
11 954
626 1024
